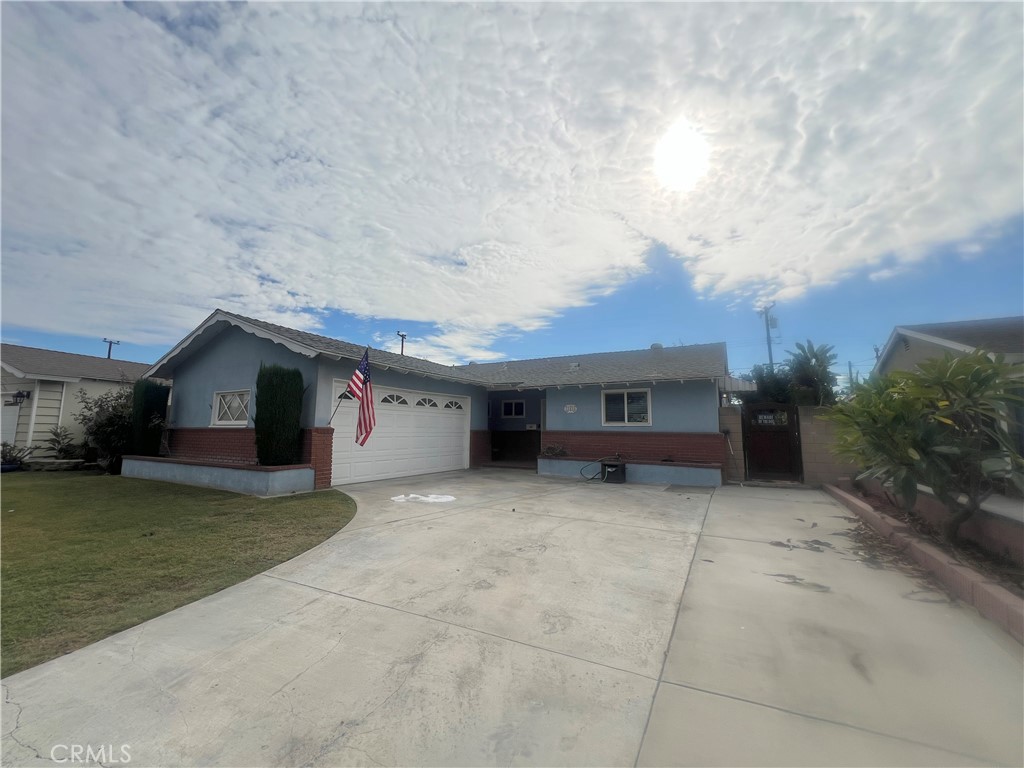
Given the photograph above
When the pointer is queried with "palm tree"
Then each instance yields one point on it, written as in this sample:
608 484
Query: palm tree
811 377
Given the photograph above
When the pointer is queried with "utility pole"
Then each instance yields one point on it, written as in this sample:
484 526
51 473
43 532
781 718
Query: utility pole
110 345
766 314
849 364
402 335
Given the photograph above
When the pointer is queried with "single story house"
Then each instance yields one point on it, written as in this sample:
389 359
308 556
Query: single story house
909 345
40 387
655 409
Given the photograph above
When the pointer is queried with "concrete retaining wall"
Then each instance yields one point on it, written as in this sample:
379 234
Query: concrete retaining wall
253 481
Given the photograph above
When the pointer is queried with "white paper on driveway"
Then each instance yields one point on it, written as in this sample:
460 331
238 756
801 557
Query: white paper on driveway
433 498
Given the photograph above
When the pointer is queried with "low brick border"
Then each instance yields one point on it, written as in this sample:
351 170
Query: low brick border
994 602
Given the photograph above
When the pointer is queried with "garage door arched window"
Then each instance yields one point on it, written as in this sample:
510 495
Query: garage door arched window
453 405
426 402
393 399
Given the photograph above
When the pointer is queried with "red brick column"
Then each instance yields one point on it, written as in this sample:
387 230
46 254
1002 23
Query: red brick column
217 445
479 447
318 452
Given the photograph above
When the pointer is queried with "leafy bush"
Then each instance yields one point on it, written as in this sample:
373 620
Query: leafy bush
149 409
107 420
947 425
11 454
279 392
62 443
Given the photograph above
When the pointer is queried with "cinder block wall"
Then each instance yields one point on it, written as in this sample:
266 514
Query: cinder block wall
734 469
817 438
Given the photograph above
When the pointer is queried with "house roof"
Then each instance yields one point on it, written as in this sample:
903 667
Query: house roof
1000 334
33 363
699 361
696 361
1004 335
304 343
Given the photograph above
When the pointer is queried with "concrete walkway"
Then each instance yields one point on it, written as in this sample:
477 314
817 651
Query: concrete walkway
543 621
791 650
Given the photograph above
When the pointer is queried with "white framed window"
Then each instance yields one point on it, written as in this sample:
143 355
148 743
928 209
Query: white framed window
231 409
346 395
513 409
426 402
626 408
453 405
393 399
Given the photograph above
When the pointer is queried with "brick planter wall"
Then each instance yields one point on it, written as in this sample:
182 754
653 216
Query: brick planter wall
229 446
318 452
224 445
700 447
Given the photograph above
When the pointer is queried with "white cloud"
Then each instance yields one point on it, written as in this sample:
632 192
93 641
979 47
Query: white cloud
483 168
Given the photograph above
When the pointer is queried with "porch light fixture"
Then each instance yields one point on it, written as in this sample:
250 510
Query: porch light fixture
20 396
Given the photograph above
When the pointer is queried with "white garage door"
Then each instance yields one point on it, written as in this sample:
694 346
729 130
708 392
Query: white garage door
416 433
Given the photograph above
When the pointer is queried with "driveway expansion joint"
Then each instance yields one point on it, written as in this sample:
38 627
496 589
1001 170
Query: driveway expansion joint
830 721
461 626
672 633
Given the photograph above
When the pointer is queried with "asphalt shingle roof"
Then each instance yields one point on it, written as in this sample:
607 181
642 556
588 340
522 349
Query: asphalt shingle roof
1000 334
697 361
378 357
40 363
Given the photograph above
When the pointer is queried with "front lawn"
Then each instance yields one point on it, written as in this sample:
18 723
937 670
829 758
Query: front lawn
86 555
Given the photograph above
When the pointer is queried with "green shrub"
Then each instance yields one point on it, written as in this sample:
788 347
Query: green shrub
12 454
149 409
279 392
62 443
107 421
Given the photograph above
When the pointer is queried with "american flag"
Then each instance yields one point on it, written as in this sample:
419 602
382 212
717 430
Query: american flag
362 390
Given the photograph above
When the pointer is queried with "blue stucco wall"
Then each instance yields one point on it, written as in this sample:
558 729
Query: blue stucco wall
329 370
531 398
675 407
230 362
649 474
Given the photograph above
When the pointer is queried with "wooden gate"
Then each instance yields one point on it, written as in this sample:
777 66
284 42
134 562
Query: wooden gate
771 441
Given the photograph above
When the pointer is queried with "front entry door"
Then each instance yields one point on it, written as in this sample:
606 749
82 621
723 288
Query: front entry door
771 441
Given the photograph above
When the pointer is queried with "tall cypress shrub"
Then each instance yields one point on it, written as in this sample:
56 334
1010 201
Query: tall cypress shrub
279 393
149 409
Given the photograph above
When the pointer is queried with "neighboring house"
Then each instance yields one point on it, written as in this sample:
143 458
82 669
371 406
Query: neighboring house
40 387
656 408
909 345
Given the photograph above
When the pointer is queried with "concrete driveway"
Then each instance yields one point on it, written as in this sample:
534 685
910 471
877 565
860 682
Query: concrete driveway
533 621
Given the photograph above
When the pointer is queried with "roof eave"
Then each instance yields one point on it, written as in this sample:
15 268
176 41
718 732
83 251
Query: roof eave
218 316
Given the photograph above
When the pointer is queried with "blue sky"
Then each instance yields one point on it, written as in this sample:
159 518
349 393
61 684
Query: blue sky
488 179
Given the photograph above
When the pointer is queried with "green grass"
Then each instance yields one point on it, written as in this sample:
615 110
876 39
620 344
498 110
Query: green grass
86 555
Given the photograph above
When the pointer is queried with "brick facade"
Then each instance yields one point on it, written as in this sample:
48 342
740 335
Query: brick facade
226 446
682 447
479 447
318 452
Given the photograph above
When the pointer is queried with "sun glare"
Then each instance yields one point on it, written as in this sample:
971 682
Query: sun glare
681 157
